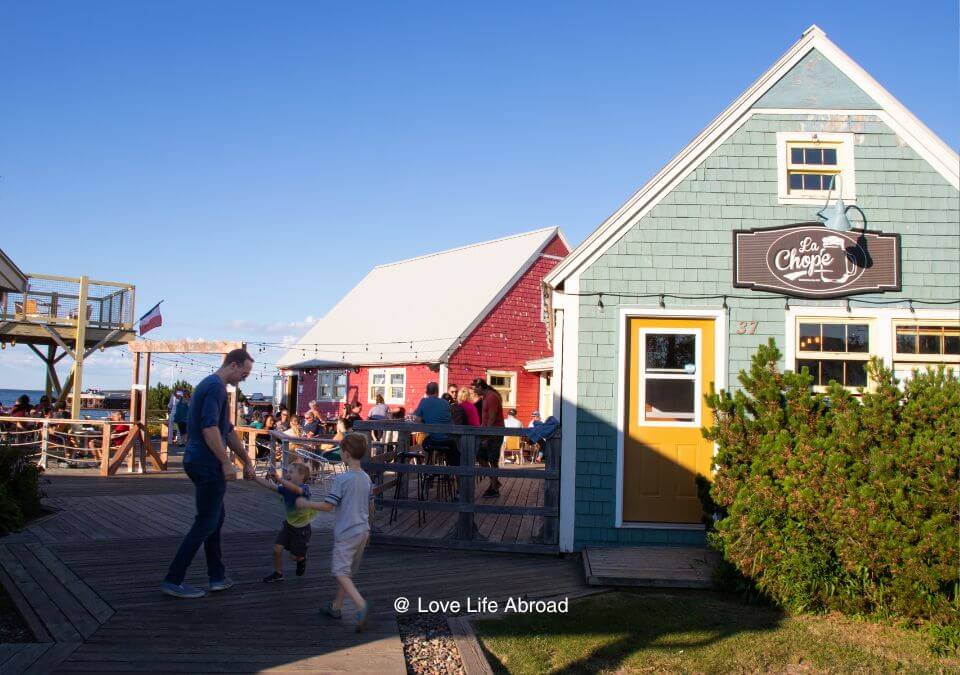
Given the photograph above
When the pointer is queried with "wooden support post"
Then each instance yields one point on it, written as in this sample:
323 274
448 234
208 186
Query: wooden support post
105 449
468 458
51 383
79 347
144 433
252 446
551 491
165 428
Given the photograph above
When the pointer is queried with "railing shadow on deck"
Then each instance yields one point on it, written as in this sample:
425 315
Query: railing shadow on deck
524 519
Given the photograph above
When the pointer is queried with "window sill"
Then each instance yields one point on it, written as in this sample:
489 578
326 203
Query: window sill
813 201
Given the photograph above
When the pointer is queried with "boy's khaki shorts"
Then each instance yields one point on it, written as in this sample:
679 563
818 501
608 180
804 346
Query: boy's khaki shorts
347 554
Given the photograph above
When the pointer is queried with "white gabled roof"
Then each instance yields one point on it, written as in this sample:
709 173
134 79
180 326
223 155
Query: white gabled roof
418 310
927 144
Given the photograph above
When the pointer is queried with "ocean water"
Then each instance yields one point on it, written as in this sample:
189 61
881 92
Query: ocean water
9 396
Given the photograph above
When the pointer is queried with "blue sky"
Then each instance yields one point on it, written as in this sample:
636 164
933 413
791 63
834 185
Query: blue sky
249 162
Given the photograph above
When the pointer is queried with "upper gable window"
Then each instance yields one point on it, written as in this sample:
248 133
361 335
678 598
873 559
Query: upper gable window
810 163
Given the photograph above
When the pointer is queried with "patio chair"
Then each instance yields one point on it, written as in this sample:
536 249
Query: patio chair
511 446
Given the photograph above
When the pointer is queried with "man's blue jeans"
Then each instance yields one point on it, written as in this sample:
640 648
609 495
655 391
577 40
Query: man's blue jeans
210 486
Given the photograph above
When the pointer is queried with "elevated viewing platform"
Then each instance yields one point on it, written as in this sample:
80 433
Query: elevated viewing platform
47 311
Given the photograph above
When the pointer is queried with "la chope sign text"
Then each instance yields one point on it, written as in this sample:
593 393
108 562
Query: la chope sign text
809 261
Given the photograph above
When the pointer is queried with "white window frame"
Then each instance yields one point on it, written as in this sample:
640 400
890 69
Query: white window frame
387 373
882 331
903 362
695 377
510 400
836 356
328 378
844 143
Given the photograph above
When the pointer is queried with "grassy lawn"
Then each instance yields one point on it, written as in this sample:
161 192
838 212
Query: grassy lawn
697 631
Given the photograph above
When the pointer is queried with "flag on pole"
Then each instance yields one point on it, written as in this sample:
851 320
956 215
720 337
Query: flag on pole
151 319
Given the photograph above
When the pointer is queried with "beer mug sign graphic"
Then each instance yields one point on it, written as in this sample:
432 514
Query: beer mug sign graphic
842 265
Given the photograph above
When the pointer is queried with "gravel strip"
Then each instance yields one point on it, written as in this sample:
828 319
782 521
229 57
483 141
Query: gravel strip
428 646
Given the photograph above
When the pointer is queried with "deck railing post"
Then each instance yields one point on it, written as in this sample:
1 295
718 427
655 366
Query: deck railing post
551 490
44 443
105 450
468 458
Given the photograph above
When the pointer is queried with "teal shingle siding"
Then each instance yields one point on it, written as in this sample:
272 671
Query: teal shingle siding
815 83
684 246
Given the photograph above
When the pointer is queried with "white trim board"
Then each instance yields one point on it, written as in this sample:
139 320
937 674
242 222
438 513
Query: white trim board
567 351
927 144
720 378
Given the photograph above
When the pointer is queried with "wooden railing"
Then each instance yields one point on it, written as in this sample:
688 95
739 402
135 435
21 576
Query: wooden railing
464 534
83 443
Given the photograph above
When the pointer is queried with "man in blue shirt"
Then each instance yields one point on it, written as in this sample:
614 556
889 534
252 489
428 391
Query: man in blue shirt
435 410
207 463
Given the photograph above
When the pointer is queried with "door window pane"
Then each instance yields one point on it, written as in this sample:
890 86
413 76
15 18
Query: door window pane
670 352
669 400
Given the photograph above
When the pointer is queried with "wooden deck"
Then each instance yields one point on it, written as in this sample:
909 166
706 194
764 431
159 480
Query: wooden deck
652 566
439 528
87 578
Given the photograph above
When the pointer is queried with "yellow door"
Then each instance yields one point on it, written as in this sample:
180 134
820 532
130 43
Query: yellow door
672 367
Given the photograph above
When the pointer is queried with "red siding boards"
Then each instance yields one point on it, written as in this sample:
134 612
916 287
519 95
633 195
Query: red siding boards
510 335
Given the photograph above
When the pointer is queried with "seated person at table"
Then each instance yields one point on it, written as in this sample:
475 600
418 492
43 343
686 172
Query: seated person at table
311 425
380 411
434 410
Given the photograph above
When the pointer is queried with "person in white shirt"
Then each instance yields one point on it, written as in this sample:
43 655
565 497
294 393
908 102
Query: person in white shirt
511 420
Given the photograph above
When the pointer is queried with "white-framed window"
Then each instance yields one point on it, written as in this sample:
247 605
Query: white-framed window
670 390
505 382
391 383
809 163
331 385
919 344
834 350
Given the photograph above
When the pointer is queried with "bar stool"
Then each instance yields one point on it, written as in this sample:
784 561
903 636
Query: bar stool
403 483
438 457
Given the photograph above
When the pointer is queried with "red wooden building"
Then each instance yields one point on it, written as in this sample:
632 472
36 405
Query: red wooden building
449 317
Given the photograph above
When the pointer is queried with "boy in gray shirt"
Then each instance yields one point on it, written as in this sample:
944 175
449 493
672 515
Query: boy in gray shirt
350 497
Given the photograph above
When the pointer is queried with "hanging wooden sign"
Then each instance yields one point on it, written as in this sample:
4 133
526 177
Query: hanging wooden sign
807 260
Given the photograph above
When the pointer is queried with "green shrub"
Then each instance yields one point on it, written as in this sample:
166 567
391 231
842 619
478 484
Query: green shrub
20 492
11 517
829 502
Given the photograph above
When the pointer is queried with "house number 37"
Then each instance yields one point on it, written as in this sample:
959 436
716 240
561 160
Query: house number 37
746 327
